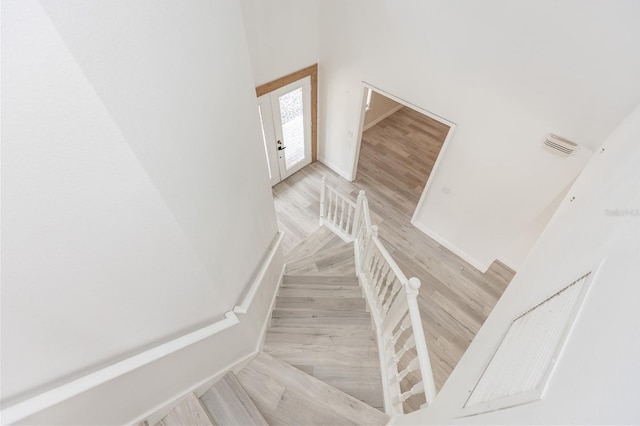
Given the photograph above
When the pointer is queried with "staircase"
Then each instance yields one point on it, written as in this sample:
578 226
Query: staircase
320 364
320 322
326 359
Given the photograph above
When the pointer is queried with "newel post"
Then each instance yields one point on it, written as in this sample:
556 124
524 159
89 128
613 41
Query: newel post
358 213
413 285
322 191
358 246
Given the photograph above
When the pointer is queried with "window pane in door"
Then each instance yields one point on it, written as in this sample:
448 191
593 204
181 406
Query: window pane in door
291 114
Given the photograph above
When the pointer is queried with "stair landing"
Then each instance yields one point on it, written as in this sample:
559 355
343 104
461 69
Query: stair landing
285 396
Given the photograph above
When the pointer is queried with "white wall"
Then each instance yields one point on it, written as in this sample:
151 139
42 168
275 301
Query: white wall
380 108
507 74
282 36
597 379
136 200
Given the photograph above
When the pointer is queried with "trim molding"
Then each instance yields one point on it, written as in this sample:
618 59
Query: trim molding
157 413
382 117
76 387
265 325
335 169
248 299
61 393
310 71
514 266
481 266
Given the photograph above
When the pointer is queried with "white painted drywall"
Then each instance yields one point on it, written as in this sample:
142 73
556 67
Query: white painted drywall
136 201
597 378
507 73
149 390
380 108
282 36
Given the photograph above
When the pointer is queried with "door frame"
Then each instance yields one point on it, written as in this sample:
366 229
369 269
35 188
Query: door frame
310 71
452 126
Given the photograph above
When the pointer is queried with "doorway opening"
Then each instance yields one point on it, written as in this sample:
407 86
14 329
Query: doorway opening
399 145
287 108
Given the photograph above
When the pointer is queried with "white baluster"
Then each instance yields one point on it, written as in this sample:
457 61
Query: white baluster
322 191
383 269
410 343
406 323
342 207
378 289
421 344
413 366
358 213
330 207
395 290
416 389
335 211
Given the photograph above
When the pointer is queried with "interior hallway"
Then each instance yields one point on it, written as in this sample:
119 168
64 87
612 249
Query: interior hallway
455 298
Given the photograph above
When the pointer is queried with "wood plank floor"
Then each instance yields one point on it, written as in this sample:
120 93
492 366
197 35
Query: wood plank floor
229 404
396 158
287 396
320 323
188 412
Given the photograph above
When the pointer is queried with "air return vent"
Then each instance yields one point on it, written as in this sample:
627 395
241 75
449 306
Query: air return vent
560 145
521 366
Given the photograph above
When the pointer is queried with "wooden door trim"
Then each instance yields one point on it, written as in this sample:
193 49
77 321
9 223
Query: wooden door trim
310 71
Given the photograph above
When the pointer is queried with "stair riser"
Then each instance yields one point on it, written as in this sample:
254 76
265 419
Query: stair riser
320 293
362 324
365 340
330 280
321 303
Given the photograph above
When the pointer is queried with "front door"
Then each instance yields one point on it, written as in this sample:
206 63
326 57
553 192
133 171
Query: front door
285 114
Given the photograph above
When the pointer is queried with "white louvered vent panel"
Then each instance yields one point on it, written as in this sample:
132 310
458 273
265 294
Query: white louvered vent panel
560 145
524 359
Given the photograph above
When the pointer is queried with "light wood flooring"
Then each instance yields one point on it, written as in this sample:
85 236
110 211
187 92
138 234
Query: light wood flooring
268 391
287 396
396 157
320 323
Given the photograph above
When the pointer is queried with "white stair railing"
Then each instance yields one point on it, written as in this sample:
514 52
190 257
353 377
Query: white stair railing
337 212
392 300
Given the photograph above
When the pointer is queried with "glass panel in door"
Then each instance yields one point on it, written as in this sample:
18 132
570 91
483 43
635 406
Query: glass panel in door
291 107
292 119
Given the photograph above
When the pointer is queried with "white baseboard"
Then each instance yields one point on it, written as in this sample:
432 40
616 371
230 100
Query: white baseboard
335 168
382 117
481 266
514 266
154 415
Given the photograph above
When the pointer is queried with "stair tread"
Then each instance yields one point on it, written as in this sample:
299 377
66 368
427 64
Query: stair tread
334 260
320 292
325 303
310 354
274 337
304 399
361 324
320 286
320 279
321 239
228 403
188 412
320 331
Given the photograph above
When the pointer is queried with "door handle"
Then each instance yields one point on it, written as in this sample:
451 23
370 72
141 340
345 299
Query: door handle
280 148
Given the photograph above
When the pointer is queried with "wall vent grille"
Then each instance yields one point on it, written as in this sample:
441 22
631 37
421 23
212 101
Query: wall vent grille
521 365
560 145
